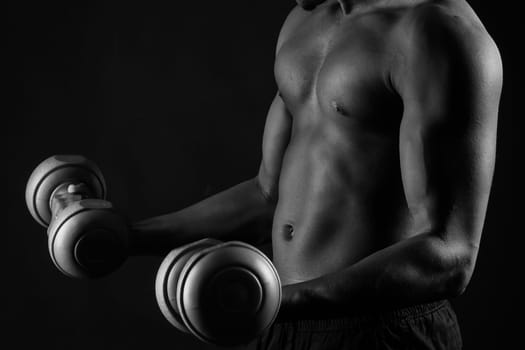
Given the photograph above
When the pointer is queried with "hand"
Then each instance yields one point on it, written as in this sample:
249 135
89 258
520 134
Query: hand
294 303
67 195
309 300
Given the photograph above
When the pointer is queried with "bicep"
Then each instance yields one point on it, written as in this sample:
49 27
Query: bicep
447 173
448 138
277 131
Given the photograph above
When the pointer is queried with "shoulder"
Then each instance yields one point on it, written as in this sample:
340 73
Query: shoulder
448 28
447 35
296 16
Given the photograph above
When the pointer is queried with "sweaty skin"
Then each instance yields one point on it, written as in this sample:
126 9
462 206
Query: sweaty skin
378 155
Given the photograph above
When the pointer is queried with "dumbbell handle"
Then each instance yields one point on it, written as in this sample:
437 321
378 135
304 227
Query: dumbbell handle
67 194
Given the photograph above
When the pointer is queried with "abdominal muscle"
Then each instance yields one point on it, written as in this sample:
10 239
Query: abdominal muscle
340 199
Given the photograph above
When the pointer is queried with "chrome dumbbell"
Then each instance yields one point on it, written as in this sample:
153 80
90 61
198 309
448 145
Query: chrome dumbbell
86 236
223 293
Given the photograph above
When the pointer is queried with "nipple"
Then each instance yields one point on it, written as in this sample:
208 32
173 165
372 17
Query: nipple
338 108
288 232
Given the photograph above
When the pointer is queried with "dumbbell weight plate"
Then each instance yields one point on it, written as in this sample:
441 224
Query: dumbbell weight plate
88 239
168 275
57 170
228 294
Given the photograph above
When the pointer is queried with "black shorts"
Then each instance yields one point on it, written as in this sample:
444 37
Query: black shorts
426 326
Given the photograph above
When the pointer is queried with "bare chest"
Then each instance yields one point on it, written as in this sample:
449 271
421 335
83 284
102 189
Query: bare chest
336 66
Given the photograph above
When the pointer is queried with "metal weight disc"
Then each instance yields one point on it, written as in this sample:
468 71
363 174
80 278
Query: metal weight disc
228 294
57 170
168 275
88 239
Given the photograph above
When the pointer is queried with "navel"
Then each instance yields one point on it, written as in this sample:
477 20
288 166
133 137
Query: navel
288 232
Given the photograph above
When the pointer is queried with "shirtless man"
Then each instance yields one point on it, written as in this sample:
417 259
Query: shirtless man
378 155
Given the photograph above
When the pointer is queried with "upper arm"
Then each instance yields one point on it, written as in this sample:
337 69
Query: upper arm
275 140
277 130
450 82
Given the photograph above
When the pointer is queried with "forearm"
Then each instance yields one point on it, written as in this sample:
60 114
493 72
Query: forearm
240 212
417 270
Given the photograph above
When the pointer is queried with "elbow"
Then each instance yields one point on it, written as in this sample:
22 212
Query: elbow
459 275
457 283
267 192
454 262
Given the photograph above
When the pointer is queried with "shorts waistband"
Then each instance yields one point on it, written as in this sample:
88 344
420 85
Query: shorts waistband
381 317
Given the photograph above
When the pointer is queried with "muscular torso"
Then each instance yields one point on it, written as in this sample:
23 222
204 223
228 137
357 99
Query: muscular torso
340 194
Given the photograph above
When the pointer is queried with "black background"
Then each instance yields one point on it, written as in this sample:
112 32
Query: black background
170 99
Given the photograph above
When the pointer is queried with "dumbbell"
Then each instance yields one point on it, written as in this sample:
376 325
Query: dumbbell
225 294
87 238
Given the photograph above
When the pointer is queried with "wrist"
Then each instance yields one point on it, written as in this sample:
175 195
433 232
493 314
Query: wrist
313 299
297 302
153 236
